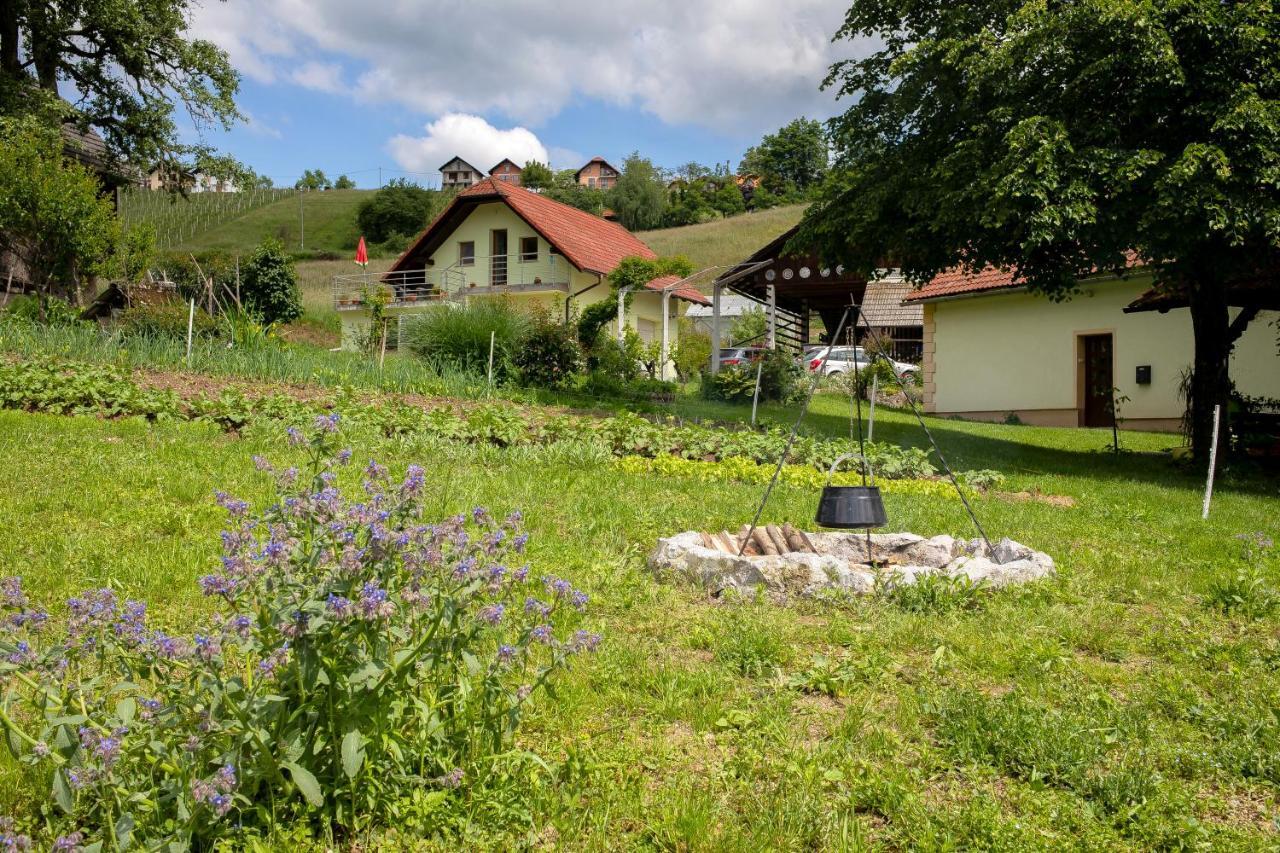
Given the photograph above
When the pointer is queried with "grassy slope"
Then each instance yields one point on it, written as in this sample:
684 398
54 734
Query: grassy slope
1107 708
330 219
724 241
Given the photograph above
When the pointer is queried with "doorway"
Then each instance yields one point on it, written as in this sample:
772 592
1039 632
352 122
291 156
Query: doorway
1097 380
498 256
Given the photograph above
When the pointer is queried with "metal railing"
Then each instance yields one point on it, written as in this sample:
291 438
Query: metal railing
483 275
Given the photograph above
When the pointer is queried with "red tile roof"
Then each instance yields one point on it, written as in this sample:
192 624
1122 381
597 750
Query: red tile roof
957 282
686 292
584 239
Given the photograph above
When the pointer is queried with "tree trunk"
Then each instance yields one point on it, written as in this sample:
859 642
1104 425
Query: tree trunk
9 63
1210 379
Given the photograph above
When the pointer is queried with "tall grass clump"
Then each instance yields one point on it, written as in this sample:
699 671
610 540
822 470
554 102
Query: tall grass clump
358 658
459 336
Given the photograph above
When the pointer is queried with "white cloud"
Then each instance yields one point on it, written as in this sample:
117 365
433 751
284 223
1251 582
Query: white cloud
742 66
469 137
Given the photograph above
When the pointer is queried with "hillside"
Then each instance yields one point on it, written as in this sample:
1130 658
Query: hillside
329 219
725 241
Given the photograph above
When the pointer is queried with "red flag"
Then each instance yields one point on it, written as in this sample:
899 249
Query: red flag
362 254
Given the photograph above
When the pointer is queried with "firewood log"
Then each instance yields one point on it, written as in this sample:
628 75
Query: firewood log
707 541
775 536
808 541
763 542
726 543
794 541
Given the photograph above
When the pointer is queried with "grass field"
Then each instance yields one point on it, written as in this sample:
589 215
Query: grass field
328 219
724 241
1129 703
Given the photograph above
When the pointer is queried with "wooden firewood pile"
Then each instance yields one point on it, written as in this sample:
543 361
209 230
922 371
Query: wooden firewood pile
767 541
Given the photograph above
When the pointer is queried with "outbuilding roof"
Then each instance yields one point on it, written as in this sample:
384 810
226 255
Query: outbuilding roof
883 304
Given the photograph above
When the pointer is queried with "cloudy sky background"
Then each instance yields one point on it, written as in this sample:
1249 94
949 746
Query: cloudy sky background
348 87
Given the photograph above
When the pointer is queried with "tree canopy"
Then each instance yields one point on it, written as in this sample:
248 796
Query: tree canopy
536 175
401 208
1055 139
795 157
127 65
639 197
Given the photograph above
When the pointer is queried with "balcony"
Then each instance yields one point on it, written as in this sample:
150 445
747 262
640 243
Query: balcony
486 275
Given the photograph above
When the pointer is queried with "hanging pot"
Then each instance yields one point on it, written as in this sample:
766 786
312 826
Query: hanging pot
851 507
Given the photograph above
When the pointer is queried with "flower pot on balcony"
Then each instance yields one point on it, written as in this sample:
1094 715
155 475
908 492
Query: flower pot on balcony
411 297
472 284
537 279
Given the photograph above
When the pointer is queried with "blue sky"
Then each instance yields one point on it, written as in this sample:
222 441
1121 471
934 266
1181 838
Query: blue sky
349 87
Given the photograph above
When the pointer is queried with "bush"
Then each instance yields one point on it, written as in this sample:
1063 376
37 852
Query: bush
269 285
166 320
549 356
401 207
619 360
780 377
356 655
458 336
692 354
57 312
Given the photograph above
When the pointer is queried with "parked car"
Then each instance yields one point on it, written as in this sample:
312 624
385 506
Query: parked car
731 356
844 359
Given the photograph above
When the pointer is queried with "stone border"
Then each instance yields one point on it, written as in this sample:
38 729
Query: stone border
841 563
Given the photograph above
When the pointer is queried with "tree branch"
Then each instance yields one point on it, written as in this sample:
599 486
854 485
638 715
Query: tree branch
1240 323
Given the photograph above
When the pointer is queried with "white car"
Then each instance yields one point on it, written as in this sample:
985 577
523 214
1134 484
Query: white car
845 359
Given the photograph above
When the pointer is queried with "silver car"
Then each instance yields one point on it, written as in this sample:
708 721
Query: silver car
845 359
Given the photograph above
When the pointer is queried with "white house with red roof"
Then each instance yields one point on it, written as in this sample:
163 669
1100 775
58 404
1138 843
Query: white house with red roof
992 349
497 239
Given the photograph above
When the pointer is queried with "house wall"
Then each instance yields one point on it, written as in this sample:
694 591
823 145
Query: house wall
987 356
560 276
595 170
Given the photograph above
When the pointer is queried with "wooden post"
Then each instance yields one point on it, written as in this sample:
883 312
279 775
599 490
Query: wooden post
191 321
772 338
715 329
491 341
755 397
382 354
1213 461
871 420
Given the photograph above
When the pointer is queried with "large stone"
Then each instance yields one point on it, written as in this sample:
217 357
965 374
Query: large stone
841 563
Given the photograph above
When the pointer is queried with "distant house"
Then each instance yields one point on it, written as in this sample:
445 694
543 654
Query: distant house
506 171
992 349
499 239
598 173
459 174
172 178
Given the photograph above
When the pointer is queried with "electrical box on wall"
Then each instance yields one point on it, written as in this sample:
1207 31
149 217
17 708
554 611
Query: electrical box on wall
1144 374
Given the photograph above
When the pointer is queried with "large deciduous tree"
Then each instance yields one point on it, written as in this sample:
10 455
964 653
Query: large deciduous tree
1063 139
640 196
124 65
793 158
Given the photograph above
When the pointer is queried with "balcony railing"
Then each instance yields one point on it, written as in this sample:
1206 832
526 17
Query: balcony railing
483 275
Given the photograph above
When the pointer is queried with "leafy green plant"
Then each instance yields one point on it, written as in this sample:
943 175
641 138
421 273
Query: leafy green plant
57 312
930 592
1246 592
269 284
748 643
165 320
827 676
549 355
356 653
459 335
982 480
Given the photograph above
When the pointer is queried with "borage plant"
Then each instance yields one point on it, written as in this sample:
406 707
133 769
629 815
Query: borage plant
358 654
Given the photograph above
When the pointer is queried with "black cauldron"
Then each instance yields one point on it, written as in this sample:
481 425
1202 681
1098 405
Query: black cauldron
850 507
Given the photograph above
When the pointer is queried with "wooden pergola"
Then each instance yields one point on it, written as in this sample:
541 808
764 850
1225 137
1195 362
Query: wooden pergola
789 286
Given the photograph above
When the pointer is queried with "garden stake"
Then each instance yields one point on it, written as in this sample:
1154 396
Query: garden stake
191 319
491 338
755 397
1213 460
871 418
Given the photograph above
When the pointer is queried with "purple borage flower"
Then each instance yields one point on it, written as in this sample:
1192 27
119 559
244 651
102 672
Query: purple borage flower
491 614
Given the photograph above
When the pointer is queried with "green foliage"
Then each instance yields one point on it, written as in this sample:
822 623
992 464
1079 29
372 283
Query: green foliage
639 196
344 183
930 592
339 668
269 285
692 353
997 135
566 190
313 180
795 157
749 327
165 320
459 335
51 216
593 319
728 201
549 356
536 176
125 66
619 360
135 253
834 677
56 312
780 379
398 210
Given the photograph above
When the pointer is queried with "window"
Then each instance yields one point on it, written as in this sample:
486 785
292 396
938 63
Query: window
467 254
528 249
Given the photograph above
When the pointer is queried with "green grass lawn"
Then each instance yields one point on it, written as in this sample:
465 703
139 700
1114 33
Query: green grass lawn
1111 707
724 241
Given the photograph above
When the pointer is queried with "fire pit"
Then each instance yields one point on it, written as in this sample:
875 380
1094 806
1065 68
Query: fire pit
788 561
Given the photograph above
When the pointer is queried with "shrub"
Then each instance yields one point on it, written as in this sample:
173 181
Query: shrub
458 336
269 285
57 312
165 320
780 377
692 353
399 208
357 654
549 356
619 360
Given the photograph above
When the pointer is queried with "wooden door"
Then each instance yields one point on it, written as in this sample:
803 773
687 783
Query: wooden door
1098 380
498 256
